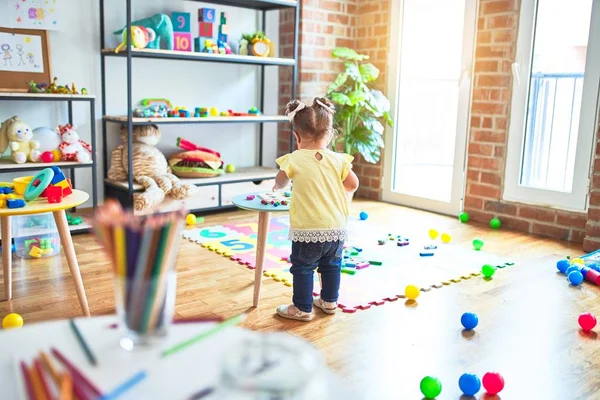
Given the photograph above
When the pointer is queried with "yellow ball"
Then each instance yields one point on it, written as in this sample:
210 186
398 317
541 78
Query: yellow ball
446 238
214 112
230 168
12 320
578 261
57 155
412 292
433 233
190 219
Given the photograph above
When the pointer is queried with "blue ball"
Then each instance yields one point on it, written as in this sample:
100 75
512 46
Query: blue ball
571 269
469 384
363 215
469 320
562 265
575 278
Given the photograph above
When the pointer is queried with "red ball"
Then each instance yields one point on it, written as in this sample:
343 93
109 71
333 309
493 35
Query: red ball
493 382
587 321
47 157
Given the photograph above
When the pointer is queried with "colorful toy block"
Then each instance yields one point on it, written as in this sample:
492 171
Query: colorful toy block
207 15
223 29
198 45
5 189
35 252
183 41
58 175
15 203
67 187
222 38
54 194
181 21
223 18
205 29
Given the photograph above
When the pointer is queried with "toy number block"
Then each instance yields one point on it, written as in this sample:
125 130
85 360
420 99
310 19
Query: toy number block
223 29
205 29
222 38
181 21
206 15
183 41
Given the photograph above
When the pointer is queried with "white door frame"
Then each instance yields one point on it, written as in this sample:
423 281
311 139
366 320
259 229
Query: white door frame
464 107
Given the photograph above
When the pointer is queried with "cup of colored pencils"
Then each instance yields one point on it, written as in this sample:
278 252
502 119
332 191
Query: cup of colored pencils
143 250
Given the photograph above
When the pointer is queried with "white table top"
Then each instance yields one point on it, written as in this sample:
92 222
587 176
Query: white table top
174 377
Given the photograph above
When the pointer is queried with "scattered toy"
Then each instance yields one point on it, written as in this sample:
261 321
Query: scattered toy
363 216
190 219
446 237
477 244
493 382
469 320
463 217
412 292
587 321
495 223
12 320
488 270
433 234
431 387
469 384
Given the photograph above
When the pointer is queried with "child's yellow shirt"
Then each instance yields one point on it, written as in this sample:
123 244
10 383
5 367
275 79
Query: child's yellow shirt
319 206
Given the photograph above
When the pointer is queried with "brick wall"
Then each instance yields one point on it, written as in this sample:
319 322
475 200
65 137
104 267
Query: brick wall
592 228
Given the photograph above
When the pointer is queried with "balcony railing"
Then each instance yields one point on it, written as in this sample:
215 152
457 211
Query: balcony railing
551 132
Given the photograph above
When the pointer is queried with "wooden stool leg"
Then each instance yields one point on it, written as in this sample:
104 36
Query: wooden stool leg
264 219
67 242
7 256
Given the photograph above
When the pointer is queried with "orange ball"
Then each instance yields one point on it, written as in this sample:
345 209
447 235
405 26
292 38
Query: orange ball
57 155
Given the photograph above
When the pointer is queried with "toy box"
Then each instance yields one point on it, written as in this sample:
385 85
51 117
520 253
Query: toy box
35 236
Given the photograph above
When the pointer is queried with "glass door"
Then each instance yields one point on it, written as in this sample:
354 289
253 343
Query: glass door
431 79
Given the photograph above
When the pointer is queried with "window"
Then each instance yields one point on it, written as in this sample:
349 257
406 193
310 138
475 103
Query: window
555 103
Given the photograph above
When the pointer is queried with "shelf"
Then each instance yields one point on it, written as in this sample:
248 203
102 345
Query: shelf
241 175
44 96
263 5
9 166
206 120
194 56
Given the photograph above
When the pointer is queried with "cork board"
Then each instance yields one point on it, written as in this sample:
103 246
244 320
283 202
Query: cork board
20 62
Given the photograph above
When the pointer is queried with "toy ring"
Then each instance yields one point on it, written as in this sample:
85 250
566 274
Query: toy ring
45 177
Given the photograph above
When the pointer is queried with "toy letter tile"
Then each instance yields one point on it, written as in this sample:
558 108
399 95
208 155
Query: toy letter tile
205 29
223 29
206 15
181 21
183 41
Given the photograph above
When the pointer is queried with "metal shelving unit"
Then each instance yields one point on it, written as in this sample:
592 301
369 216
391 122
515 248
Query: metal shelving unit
8 166
124 190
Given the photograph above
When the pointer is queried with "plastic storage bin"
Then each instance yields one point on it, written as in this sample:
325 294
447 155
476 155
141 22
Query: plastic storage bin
35 236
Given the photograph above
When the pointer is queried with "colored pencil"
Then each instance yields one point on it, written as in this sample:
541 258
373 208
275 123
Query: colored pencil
125 386
66 387
203 335
36 382
120 250
38 368
47 363
76 374
202 393
83 343
28 384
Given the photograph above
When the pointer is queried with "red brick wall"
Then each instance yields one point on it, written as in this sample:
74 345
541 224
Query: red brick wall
592 228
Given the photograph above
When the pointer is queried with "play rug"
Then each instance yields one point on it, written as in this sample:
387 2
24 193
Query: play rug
373 284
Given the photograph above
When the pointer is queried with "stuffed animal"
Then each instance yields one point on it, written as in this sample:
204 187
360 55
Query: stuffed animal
72 148
18 135
150 168
162 25
140 37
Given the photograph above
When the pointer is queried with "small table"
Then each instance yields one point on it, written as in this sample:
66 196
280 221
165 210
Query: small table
264 219
40 206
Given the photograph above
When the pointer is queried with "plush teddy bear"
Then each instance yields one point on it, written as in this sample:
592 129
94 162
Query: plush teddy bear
72 148
18 135
150 168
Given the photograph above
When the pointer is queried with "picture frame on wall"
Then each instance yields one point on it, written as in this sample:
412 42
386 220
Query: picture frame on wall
24 57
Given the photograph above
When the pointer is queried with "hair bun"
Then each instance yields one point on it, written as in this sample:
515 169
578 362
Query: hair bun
324 103
291 106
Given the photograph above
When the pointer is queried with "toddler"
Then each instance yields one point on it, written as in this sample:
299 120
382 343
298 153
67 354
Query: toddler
319 207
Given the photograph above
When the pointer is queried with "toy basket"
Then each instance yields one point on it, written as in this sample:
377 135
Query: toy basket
35 236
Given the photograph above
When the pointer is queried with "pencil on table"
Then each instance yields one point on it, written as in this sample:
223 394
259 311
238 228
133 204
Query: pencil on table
28 384
47 363
76 374
36 382
38 368
83 343
66 387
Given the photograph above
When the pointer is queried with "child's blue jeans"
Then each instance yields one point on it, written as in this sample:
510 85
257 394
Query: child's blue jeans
305 258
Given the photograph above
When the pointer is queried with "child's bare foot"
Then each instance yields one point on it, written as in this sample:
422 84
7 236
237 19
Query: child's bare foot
325 306
292 312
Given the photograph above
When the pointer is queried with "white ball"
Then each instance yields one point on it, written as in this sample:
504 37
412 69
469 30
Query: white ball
48 138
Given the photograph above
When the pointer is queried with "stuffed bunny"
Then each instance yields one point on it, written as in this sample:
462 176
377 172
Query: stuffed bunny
72 148
18 135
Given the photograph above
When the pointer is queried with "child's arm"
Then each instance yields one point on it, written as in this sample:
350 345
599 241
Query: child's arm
351 182
281 181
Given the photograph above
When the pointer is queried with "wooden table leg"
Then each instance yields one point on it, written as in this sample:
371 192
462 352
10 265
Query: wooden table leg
67 242
264 219
7 256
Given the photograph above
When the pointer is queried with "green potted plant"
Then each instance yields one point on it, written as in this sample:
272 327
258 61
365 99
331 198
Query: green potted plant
360 109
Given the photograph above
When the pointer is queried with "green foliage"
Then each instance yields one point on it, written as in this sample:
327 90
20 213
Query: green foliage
360 110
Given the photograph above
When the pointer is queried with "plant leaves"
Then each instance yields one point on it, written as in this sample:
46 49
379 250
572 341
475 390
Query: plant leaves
388 119
353 71
339 81
369 72
340 98
348 54
379 102
357 96
373 125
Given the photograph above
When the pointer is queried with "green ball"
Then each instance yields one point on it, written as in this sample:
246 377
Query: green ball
488 271
495 223
431 387
463 217
477 244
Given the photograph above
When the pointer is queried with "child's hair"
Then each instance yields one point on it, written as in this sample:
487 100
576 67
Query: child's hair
313 122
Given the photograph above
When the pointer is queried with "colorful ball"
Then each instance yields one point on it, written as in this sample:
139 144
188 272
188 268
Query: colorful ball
575 277
12 320
190 219
495 223
488 270
469 384
463 217
363 215
562 265
469 320
477 244
587 321
230 168
571 269
433 233
493 382
446 237
412 292
47 157
57 155
431 387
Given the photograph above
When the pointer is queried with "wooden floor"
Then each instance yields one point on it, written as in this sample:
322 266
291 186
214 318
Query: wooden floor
528 314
